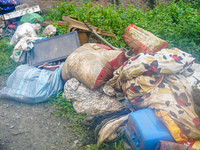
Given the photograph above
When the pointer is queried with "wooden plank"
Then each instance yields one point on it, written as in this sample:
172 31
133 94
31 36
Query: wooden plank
80 25
76 25
21 12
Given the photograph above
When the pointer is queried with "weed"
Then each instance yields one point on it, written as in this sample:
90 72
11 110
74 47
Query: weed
7 65
64 108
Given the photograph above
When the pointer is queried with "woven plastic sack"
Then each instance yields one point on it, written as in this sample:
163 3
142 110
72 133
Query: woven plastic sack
32 85
92 65
31 18
142 41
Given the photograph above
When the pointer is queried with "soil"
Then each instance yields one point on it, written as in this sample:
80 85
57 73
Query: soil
35 127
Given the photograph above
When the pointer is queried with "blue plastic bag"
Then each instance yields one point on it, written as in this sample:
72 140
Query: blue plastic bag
8 4
32 85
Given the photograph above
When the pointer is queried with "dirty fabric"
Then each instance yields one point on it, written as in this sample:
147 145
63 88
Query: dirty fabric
110 129
92 121
24 45
108 126
25 30
166 145
175 131
196 98
157 81
194 79
32 85
89 101
50 30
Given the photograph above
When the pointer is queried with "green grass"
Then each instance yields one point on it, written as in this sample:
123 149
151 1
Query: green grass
177 23
7 65
65 109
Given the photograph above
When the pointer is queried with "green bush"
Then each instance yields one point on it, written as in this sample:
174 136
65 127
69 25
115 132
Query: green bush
177 23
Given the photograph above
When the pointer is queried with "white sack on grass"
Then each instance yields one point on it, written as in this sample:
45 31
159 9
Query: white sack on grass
50 30
25 44
25 30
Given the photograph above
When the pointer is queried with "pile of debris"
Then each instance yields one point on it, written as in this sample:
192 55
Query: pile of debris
145 93
11 12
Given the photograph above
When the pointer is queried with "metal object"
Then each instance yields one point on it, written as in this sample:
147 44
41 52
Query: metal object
98 36
54 48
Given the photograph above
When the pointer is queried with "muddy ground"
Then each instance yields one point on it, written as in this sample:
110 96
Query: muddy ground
35 127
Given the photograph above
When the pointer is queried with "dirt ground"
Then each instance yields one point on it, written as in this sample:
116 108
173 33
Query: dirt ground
35 127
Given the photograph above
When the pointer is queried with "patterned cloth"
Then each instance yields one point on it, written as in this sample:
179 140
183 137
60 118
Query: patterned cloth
157 81
175 131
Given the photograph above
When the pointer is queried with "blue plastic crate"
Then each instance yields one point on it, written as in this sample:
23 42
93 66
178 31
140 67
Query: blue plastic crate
144 130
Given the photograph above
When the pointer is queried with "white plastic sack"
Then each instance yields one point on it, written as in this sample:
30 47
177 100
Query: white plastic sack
25 44
50 30
25 30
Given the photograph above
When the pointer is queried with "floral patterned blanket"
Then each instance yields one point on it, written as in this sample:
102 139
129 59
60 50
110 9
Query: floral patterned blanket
158 81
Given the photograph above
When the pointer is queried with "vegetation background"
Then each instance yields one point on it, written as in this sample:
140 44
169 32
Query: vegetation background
176 22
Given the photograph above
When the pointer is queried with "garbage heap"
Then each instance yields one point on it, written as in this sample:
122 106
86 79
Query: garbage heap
109 84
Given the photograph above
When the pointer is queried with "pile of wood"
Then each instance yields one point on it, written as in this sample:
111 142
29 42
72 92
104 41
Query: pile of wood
73 24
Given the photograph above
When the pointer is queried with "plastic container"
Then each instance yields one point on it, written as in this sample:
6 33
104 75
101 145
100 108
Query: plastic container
144 130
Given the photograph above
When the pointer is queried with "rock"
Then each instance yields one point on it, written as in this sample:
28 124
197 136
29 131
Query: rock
75 142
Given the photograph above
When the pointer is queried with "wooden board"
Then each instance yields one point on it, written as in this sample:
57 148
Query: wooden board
21 12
